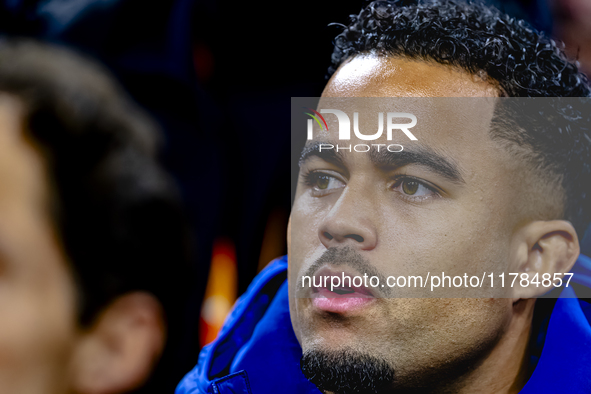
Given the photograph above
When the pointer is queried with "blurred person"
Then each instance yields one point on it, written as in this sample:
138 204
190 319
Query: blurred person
481 189
572 25
93 239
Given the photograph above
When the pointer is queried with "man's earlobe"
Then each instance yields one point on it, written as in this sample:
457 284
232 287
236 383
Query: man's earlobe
547 250
117 354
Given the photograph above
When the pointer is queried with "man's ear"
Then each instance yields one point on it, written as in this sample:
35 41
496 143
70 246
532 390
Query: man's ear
117 354
543 251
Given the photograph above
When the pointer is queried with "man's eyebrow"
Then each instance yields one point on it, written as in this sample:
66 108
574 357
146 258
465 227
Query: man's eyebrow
419 155
328 155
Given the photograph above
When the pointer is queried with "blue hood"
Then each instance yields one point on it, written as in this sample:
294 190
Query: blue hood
257 352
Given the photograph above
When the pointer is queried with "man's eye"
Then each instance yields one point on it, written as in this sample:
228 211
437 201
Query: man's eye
323 182
410 187
414 188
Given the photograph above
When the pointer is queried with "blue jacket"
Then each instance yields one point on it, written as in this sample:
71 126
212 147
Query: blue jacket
257 352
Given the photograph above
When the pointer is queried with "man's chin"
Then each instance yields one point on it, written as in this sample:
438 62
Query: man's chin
347 372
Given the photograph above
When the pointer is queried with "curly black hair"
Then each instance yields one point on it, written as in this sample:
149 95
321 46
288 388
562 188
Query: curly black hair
472 36
552 135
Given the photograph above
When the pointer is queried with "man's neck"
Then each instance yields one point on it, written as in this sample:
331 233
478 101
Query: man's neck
506 368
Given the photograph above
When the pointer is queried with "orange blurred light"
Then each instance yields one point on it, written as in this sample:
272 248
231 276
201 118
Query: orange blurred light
220 293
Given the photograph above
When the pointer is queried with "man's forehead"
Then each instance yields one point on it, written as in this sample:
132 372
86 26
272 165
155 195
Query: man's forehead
450 134
373 75
443 98
438 122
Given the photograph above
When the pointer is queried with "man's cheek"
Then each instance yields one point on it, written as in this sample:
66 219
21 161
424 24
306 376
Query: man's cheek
304 231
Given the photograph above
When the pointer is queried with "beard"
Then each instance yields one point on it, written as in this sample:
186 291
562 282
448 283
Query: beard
347 372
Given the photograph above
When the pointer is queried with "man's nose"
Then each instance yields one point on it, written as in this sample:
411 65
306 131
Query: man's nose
350 221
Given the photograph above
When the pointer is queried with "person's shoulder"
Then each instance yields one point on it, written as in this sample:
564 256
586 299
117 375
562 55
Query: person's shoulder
564 363
216 359
257 298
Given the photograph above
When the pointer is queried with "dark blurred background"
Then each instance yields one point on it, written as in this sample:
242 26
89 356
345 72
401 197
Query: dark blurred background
218 77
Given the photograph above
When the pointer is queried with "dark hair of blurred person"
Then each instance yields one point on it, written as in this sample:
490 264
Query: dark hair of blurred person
93 239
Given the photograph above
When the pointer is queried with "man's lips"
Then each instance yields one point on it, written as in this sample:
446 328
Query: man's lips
344 298
341 305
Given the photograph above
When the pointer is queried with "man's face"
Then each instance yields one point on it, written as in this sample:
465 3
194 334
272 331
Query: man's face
407 220
37 302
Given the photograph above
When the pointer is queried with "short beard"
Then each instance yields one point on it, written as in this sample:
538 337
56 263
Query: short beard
347 372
